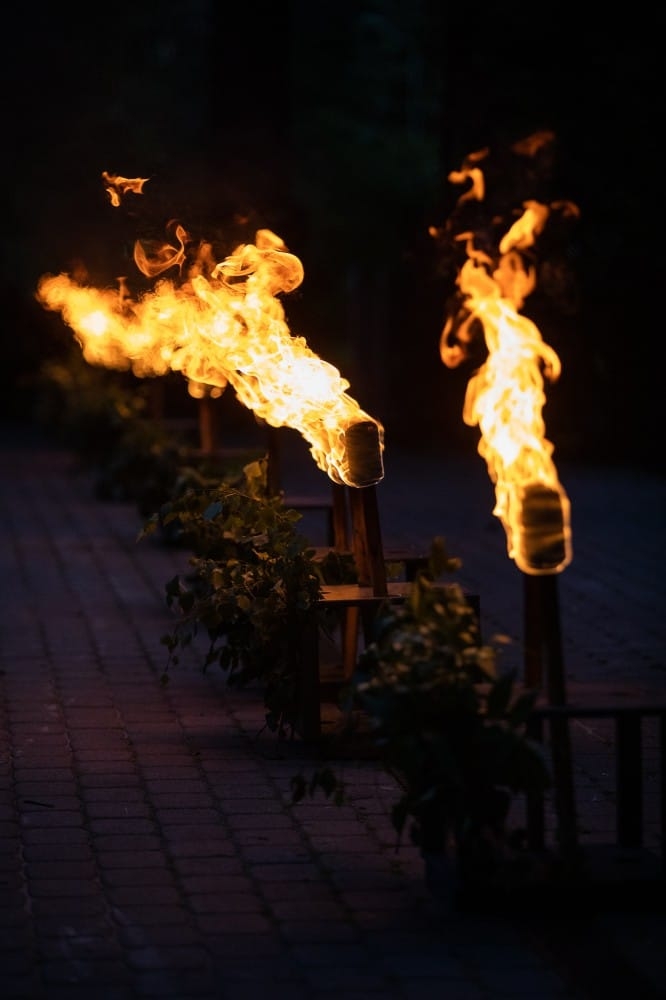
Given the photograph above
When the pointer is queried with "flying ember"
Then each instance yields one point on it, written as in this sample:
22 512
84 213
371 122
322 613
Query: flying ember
218 323
505 395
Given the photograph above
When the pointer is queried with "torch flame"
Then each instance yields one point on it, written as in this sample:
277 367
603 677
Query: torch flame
220 323
117 187
505 396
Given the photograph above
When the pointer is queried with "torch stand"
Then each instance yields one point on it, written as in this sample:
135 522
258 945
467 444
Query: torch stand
156 395
543 654
356 529
208 425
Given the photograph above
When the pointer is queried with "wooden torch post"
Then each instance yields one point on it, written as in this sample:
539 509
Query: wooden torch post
542 552
208 426
357 525
365 470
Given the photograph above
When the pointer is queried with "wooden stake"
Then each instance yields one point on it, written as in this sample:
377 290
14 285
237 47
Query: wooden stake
367 540
341 529
156 396
543 655
274 471
208 436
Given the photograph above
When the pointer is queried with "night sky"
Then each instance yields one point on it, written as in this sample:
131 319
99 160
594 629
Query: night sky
336 125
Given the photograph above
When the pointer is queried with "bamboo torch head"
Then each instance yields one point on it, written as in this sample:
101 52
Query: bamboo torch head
363 445
543 543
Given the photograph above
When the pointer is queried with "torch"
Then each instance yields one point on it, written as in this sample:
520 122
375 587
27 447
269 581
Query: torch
363 448
541 552
222 323
504 398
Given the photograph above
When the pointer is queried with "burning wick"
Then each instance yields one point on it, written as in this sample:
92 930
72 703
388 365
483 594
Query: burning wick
505 395
221 324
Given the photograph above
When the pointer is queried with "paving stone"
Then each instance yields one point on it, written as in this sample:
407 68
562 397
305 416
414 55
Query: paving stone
148 846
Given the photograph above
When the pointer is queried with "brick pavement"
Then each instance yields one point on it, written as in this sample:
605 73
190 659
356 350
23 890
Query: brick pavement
148 847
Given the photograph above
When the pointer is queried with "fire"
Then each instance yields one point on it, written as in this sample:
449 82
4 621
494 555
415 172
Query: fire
505 396
117 187
220 323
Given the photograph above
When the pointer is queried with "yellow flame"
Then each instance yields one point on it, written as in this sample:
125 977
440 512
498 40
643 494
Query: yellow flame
117 187
505 396
220 324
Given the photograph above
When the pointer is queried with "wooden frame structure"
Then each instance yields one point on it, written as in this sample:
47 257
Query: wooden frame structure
356 530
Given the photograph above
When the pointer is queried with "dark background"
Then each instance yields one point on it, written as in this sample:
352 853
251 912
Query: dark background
336 125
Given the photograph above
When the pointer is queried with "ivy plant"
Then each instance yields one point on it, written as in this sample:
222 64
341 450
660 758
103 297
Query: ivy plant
254 585
447 725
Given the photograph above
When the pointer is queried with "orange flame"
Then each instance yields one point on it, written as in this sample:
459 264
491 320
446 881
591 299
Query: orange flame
223 324
505 396
117 187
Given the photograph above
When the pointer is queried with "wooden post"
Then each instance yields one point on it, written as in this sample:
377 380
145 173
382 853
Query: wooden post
532 632
306 649
355 528
208 434
367 539
536 824
274 471
543 649
341 528
156 396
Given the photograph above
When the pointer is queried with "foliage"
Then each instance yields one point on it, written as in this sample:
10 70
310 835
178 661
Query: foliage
105 417
447 725
254 587
88 407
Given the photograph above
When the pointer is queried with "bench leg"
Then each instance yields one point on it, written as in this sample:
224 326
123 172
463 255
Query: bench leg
349 634
309 707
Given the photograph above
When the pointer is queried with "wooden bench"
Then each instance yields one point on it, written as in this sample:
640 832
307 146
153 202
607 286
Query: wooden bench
556 709
354 606
628 725
356 530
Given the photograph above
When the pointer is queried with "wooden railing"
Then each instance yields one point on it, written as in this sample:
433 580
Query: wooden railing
628 747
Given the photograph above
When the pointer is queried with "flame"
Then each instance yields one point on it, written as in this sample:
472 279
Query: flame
220 323
117 187
505 396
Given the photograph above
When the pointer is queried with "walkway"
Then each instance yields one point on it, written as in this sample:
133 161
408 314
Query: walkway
148 846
